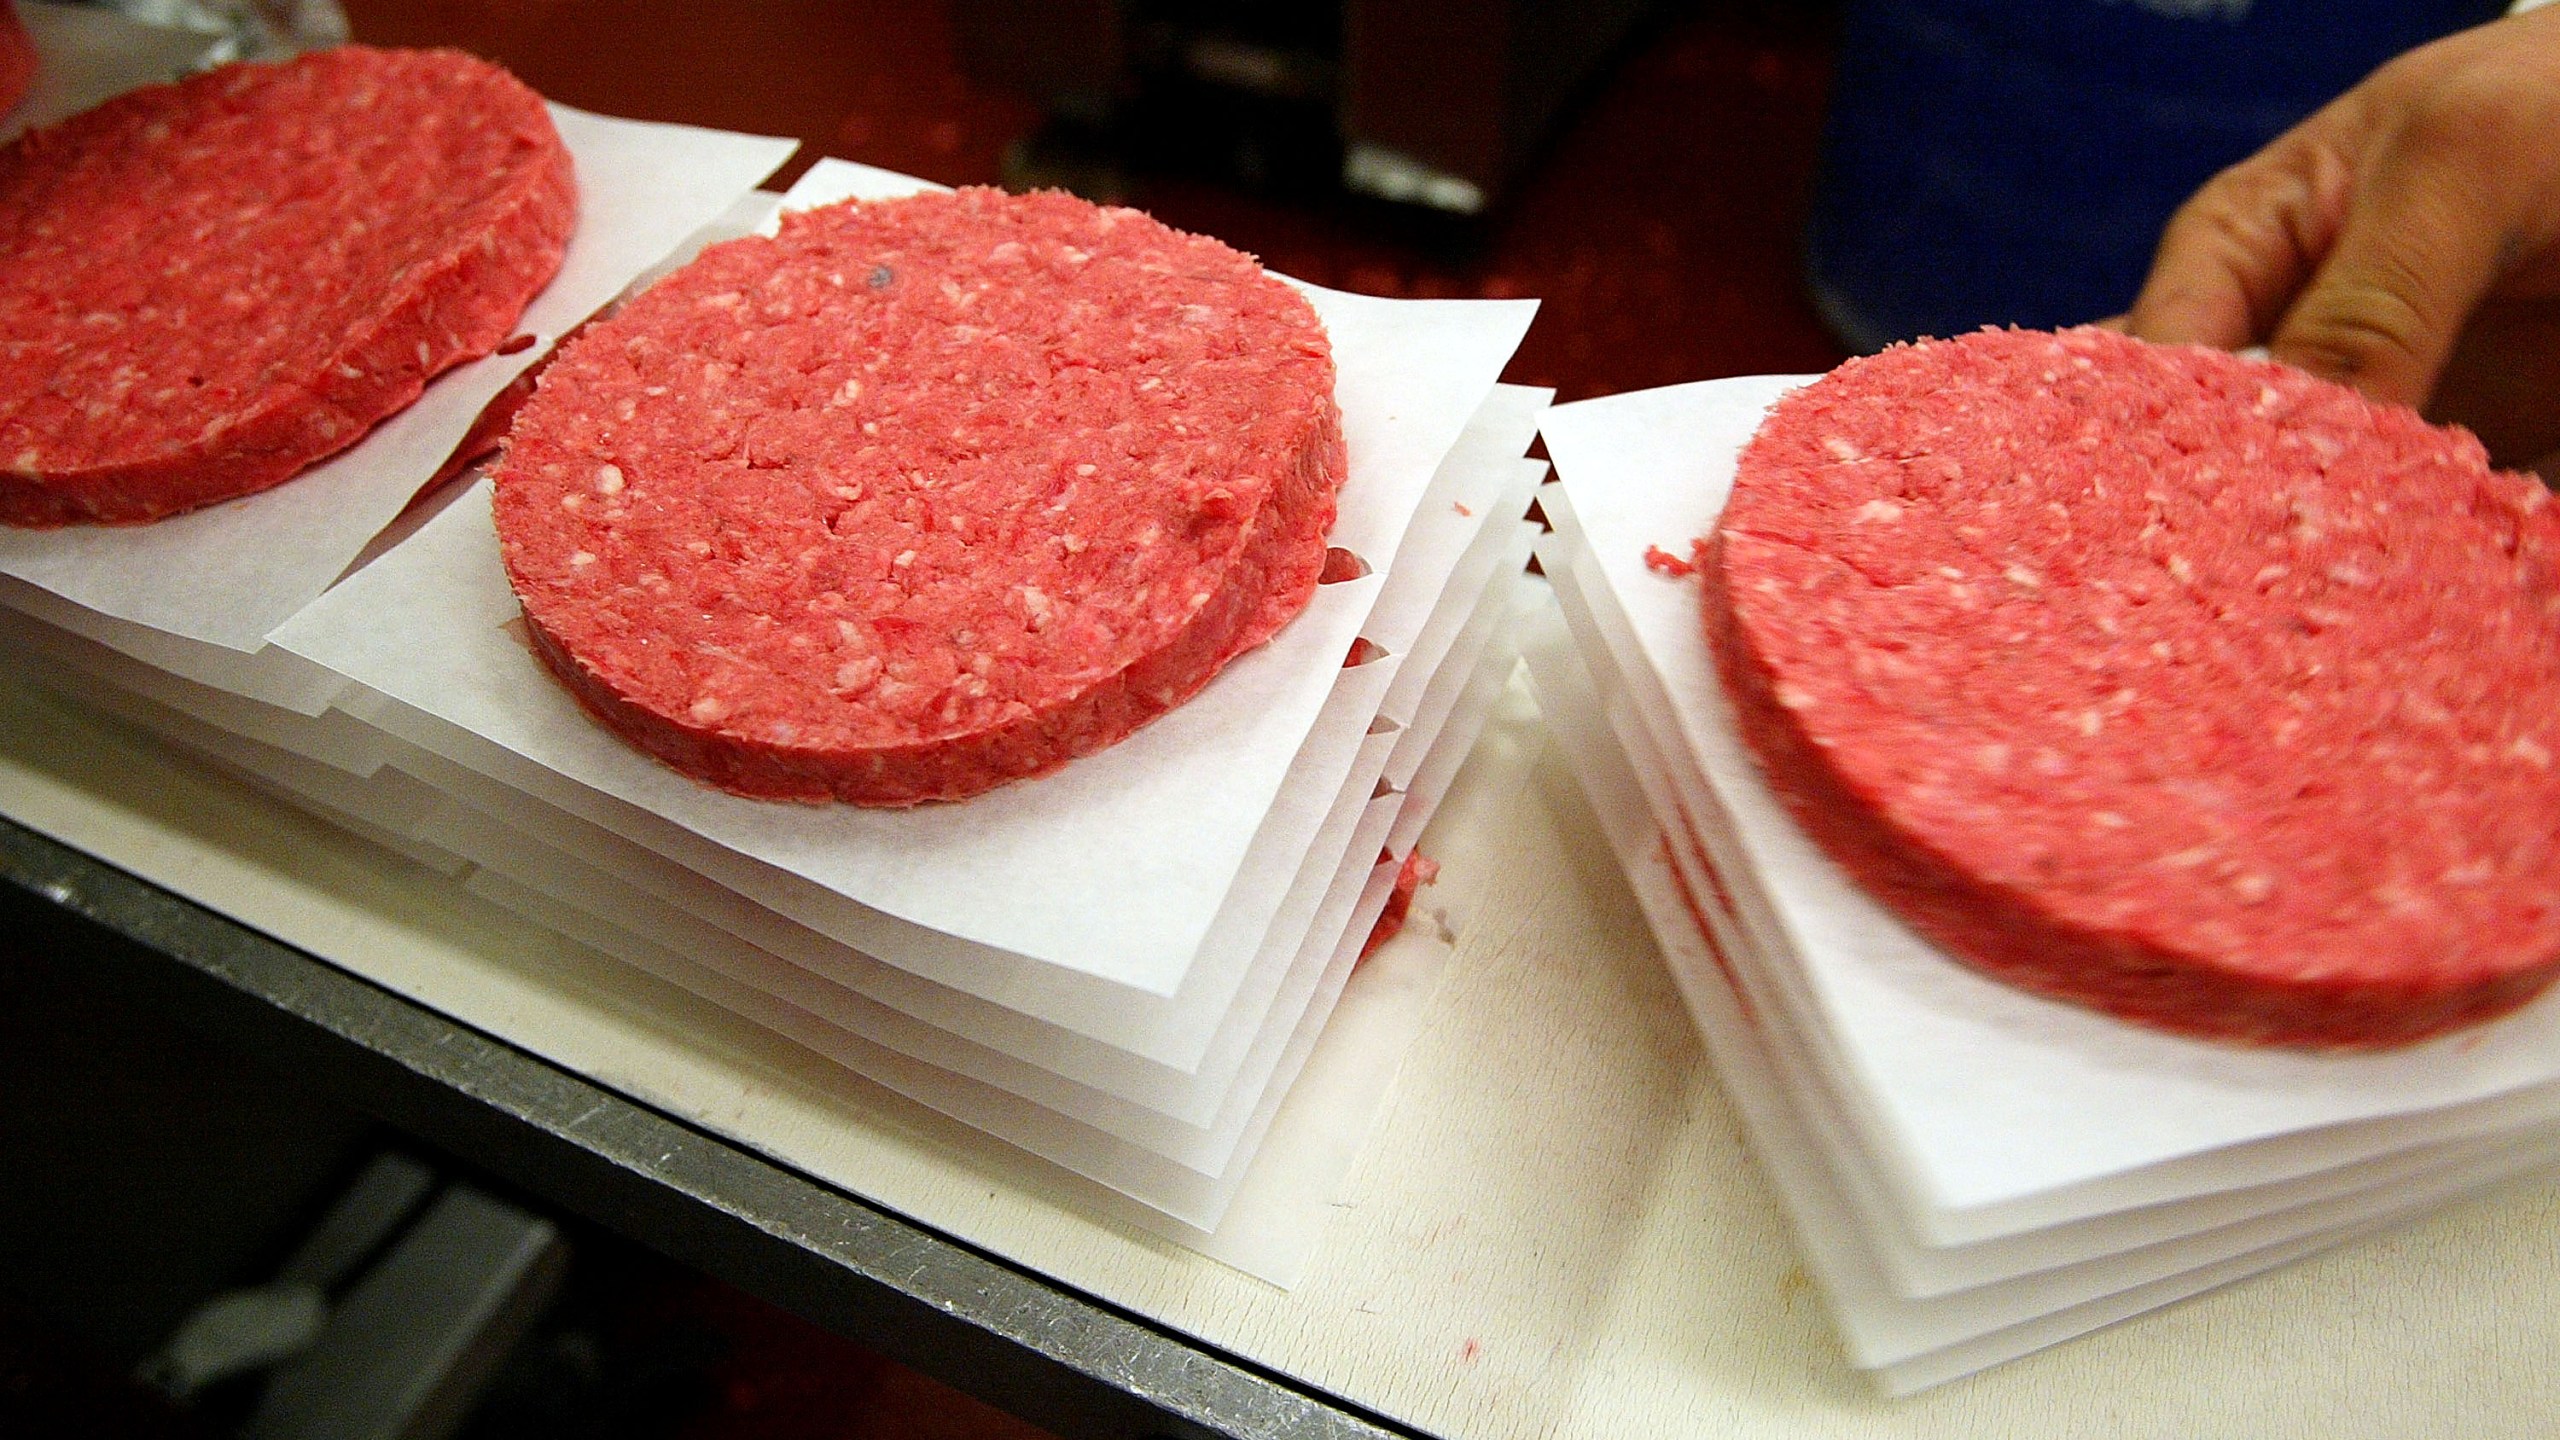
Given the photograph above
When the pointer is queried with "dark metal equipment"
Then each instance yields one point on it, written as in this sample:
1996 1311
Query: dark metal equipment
1438 106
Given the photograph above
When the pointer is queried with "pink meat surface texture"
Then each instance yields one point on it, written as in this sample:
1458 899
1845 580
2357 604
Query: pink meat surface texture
2184 686
922 496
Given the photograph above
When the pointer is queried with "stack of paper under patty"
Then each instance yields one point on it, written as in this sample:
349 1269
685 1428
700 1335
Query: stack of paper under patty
1121 968
1975 1172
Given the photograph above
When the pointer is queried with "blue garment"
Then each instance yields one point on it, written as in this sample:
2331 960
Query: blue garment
2013 161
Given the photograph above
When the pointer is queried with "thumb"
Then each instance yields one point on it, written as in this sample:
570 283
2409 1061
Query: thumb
2424 239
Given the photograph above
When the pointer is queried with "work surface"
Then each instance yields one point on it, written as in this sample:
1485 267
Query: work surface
1556 1232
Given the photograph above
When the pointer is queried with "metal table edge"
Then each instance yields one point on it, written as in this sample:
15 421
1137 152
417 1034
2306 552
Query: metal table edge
1068 1361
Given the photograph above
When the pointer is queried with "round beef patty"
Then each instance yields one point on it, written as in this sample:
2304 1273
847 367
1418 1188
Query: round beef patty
922 495
2184 686
205 287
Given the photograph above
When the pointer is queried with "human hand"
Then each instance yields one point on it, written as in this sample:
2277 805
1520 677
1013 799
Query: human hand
2405 239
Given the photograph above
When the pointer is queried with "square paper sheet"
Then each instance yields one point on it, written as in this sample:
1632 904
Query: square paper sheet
1114 868
1195 1192
1919 1315
1211 1171
1007 1040
1168 1053
1194 1120
1274 1208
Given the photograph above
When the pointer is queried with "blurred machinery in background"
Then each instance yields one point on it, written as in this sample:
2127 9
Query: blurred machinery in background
1437 106
242 29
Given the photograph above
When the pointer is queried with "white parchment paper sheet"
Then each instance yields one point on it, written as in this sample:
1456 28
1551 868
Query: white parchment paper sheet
1196 1123
1286 1214
1475 488
1114 867
2134 1242
1267 1216
1173 1055
332 738
1984 1094
1919 1341
2158 1199
1198 1027
1133 1170
1302 1140
269 676
1472 708
589 903
228 574
618 915
1424 684
1226 1017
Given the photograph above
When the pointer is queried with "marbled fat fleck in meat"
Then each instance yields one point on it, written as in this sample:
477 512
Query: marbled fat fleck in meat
2184 686
921 496
206 287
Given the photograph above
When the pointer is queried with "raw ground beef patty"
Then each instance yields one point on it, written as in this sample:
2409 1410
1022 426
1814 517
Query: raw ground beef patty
205 287
2184 686
922 495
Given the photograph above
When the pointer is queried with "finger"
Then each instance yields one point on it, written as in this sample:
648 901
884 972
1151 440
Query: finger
2423 240
2236 254
2501 378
